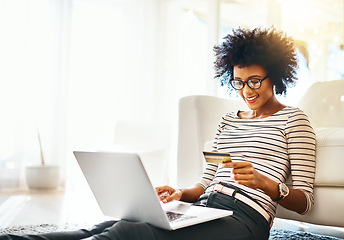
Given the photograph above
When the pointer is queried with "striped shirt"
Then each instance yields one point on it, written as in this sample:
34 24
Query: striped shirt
277 146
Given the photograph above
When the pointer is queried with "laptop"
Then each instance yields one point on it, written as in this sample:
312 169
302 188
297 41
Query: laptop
123 190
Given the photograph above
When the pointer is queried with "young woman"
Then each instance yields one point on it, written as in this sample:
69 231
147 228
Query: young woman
267 143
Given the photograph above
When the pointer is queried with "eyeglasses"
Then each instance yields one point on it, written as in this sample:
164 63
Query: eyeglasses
253 83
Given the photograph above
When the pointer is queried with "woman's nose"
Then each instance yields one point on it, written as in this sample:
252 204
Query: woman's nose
246 90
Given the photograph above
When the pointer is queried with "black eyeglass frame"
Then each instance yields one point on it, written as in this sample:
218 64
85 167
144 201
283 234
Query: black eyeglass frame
246 82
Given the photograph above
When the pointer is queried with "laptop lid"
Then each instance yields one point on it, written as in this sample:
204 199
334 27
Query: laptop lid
123 190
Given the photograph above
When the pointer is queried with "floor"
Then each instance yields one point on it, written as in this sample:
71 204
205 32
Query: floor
51 207
78 206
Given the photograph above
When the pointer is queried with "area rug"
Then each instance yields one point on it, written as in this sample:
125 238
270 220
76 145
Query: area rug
275 234
279 234
41 228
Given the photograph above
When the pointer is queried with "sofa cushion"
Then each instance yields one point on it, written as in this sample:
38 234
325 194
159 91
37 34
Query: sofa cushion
329 157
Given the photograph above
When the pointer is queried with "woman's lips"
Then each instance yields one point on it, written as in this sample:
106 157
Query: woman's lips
251 99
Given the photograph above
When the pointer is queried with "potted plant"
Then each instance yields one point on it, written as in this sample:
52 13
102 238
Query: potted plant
42 176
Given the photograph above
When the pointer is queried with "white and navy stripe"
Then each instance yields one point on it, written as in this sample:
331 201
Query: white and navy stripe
279 145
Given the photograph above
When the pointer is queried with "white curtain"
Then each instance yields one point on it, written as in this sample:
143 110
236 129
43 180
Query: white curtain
29 60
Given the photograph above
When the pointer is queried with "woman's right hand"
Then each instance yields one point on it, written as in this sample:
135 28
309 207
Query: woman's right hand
168 194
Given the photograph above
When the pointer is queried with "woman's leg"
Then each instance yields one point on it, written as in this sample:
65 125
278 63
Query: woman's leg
232 227
127 230
225 228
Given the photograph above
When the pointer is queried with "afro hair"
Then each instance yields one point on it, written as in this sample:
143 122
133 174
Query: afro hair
269 48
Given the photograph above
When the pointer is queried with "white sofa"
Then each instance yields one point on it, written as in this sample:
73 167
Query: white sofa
324 104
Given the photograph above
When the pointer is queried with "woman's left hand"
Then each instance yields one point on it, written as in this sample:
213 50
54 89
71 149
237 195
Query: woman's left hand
245 174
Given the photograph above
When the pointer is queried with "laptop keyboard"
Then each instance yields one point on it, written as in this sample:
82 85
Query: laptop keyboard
177 217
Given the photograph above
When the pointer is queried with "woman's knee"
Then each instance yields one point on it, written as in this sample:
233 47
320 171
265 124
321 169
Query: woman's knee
130 230
99 228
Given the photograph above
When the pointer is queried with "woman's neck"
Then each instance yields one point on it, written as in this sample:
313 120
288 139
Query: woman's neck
270 107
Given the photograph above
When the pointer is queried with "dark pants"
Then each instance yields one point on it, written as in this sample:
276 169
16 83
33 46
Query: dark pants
245 223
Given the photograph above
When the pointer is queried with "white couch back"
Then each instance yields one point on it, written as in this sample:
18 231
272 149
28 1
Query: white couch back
324 104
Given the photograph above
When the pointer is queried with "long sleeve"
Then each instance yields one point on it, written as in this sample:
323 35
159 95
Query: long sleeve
301 151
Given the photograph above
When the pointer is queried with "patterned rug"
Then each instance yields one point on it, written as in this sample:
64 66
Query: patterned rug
41 228
275 234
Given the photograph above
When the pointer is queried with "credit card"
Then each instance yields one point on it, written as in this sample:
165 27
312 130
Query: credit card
216 157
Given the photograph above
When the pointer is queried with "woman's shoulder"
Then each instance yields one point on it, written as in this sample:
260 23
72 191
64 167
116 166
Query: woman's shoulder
231 115
291 112
297 118
294 112
228 118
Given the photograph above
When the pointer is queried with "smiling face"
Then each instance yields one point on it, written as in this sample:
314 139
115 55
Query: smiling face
256 99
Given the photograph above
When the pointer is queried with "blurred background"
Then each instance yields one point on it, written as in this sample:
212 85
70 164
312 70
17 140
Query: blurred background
71 69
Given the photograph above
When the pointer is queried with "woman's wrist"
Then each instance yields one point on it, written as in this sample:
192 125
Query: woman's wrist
191 194
181 191
270 187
